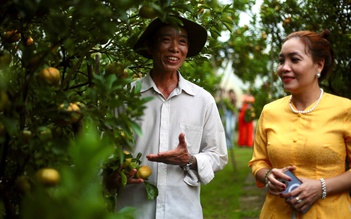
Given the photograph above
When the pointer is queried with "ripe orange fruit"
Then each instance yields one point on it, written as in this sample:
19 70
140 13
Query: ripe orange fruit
48 177
50 76
143 172
69 114
137 76
147 12
12 36
30 41
117 69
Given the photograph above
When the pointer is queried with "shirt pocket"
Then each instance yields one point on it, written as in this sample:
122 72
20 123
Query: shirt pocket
193 136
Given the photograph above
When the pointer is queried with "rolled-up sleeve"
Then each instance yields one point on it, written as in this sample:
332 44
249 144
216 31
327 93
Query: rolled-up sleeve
213 155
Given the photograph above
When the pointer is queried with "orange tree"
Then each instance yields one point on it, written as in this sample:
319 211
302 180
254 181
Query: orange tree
64 67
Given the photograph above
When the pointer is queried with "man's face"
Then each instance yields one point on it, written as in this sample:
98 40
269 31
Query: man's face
170 49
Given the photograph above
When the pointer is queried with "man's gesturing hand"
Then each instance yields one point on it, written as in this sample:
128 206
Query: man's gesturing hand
178 156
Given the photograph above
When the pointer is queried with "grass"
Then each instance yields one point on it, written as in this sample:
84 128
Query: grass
227 196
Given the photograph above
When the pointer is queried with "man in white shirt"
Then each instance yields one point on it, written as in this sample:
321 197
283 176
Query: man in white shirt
183 140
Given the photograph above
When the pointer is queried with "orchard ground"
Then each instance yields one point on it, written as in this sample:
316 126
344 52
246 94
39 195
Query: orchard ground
232 194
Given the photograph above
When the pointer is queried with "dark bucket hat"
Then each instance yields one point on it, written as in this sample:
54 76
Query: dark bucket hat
197 36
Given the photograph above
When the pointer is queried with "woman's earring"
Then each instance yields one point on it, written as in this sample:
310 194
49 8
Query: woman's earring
318 75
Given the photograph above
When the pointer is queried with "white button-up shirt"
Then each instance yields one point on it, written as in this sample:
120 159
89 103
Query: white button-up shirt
189 109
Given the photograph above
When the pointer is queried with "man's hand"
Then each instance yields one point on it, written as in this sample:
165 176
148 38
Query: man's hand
113 181
178 156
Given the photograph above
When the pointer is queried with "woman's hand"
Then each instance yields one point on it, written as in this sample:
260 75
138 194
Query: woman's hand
274 184
305 195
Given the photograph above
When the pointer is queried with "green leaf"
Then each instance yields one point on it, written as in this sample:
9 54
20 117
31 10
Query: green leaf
206 6
228 26
137 88
165 3
138 156
227 20
151 190
184 7
126 213
110 80
214 33
227 8
135 127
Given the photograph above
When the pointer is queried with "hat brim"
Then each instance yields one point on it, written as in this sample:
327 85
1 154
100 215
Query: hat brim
197 36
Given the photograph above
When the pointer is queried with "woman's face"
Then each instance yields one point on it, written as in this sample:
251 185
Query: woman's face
170 49
296 68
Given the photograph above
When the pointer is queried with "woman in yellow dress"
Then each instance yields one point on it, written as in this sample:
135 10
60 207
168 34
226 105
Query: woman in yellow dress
307 133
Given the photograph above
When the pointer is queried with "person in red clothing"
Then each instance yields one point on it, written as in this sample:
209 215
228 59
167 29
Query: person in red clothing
245 123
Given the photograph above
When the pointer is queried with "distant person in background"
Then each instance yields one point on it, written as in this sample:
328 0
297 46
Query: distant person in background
230 118
219 98
245 122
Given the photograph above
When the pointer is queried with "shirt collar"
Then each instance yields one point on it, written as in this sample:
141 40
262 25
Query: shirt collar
183 84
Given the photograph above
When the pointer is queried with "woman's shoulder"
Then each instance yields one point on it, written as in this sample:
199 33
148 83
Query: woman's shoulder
334 99
334 103
277 104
